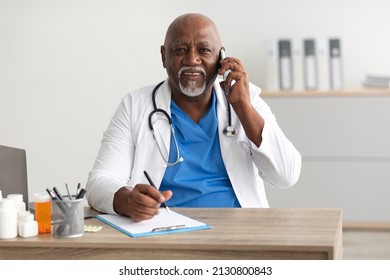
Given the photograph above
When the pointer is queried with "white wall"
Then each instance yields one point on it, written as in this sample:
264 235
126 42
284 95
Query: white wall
64 65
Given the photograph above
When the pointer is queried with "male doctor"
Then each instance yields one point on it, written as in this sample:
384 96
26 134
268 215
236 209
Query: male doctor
203 141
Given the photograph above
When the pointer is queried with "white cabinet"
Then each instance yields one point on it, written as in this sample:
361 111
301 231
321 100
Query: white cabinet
344 139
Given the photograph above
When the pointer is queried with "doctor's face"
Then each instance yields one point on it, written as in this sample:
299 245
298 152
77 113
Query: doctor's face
191 55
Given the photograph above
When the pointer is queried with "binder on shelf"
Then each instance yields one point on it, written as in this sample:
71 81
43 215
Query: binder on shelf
285 65
310 64
377 80
323 61
297 62
272 67
313 63
336 76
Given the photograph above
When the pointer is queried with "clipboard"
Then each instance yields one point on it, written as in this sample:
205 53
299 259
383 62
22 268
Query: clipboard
163 223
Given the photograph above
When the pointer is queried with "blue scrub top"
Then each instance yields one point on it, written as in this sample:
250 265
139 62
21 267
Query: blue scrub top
201 179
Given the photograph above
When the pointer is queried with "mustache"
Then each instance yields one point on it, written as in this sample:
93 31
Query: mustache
192 69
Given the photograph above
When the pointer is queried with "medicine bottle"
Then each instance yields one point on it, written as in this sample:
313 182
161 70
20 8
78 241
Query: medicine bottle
18 200
42 203
27 226
8 219
21 214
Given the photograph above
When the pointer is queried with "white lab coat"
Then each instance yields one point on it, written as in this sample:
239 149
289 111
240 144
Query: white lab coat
128 148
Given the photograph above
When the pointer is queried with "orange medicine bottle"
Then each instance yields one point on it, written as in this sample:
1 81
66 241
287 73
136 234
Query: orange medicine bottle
42 204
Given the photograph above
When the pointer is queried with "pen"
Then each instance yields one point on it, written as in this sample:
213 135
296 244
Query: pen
52 195
59 196
67 189
81 193
153 185
78 188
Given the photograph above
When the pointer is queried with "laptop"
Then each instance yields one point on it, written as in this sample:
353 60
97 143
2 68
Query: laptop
13 172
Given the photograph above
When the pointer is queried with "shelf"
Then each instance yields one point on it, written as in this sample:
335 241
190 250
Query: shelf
360 92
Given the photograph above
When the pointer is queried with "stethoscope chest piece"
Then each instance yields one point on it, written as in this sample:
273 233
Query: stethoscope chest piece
230 130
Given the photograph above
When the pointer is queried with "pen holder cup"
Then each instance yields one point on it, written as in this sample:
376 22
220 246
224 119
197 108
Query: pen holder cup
68 217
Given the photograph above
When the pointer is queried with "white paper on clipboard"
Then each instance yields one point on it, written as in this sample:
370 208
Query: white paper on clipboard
163 223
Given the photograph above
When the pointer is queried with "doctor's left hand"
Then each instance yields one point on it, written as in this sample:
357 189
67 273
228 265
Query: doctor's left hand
141 203
237 86
237 81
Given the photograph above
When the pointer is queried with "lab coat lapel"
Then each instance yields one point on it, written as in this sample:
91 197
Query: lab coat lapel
223 120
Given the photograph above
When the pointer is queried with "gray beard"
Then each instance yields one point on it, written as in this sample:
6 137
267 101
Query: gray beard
191 90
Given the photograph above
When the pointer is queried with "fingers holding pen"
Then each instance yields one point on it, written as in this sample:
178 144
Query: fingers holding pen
147 195
141 203
144 202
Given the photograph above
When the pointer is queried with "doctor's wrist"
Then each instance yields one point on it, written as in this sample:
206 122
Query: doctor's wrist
120 202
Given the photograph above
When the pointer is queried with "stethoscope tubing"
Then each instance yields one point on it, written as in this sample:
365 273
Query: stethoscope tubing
229 130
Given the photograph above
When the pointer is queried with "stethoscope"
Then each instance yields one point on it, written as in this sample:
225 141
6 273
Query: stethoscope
229 130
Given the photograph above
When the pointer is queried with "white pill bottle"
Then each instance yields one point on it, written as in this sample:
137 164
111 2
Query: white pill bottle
8 219
27 226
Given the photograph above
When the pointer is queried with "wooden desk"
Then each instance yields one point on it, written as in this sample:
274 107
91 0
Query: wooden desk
236 234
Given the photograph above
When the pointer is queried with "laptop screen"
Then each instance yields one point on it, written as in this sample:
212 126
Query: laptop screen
13 172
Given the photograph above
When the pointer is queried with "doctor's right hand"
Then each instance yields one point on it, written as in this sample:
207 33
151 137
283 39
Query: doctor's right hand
141 203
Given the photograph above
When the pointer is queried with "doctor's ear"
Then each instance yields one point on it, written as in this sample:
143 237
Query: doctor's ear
162 51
